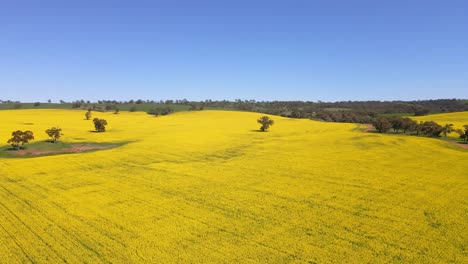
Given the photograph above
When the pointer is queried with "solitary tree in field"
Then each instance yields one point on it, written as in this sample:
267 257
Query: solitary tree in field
19 138
100 124
116 111
382 124
88 115
55 133
447 129
266 122
160 111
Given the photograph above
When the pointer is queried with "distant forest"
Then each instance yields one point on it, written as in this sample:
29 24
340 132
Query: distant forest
345 111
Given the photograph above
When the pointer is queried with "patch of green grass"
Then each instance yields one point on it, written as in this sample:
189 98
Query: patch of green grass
47 148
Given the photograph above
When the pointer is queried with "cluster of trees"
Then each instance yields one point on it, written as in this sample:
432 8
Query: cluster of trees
344 116
383 124
99 124
195 107
19 137
408 125
141 101
109 105
160 111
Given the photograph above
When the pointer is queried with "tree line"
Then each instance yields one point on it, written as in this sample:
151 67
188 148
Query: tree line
343 111
427 128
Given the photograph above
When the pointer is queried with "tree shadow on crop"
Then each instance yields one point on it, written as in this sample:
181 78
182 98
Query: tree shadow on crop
14 149
258 130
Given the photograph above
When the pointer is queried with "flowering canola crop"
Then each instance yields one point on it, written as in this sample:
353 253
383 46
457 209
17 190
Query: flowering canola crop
206 186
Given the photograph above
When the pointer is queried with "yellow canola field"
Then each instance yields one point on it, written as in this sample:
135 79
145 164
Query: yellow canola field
206 187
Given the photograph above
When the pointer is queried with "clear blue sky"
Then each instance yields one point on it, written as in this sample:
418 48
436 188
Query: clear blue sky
264 50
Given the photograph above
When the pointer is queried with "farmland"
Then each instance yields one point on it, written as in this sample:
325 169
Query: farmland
206 186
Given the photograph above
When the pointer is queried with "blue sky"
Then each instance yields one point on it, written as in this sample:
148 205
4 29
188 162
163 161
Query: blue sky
263 50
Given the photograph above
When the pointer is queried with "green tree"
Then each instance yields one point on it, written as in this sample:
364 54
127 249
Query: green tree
100 124
88 114
55 133
418 128
408 124
266 122
397 124
19 138
463 133
382 124
447 129
431 128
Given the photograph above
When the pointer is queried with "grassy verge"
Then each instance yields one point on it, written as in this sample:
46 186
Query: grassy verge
47 148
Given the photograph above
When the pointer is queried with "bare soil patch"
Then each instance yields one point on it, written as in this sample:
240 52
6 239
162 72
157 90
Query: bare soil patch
369 127
461 144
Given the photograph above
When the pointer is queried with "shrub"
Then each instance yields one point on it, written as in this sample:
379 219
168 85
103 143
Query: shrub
88 114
